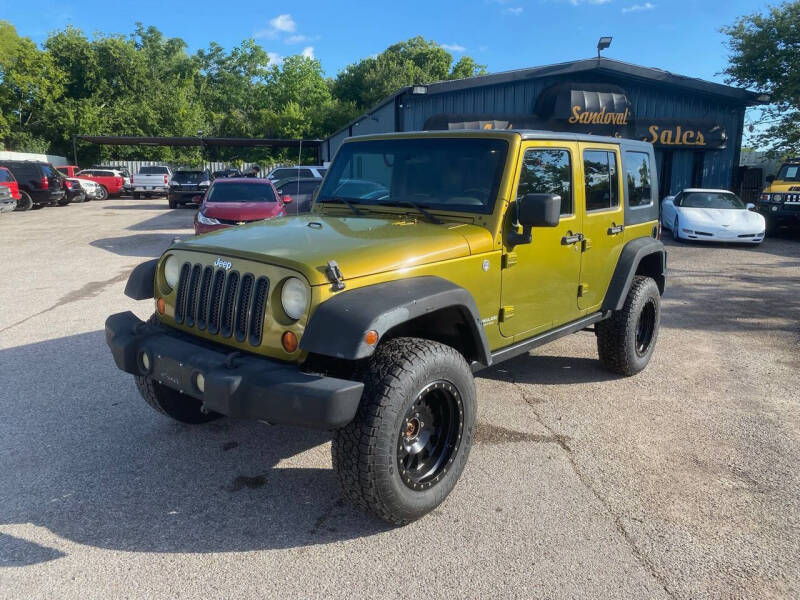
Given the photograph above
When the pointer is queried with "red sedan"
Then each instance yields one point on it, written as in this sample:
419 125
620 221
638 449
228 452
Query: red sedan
230 202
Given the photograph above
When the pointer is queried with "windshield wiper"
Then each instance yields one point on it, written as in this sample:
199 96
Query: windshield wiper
428 215
343 200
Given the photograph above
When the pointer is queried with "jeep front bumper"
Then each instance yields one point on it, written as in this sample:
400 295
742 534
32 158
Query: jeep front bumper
234 384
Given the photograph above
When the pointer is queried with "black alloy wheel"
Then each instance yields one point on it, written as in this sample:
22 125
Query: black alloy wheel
430 435
645 327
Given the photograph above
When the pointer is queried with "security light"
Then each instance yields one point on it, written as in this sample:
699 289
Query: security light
604 43
419 89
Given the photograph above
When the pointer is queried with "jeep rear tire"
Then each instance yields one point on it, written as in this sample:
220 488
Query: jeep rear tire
25 202
626 340
169 402
172 203
407 446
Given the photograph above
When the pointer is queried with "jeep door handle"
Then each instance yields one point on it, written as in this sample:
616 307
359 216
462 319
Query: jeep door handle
571 239
615 229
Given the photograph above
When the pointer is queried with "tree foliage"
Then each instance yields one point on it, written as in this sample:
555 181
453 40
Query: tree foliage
406 63
765 55
148 84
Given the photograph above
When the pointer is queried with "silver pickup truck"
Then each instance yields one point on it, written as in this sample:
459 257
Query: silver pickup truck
151 181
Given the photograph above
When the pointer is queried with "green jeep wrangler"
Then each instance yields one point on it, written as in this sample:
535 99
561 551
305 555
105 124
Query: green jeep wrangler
426 257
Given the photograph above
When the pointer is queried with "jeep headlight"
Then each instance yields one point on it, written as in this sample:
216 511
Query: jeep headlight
172 271
294 298
777 197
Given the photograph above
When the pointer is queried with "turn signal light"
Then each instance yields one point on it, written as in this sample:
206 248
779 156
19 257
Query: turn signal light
371 337
289 341
161 306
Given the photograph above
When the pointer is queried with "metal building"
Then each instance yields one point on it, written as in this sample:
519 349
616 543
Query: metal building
695 125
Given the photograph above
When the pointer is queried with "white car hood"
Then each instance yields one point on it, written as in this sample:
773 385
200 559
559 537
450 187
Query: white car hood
721 217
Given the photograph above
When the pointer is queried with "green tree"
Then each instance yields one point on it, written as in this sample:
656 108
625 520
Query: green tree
765 55
406 63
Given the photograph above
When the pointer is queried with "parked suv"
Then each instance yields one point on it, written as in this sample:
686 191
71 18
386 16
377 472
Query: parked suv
302 171
780 201
186 185
123 171
369 315
111 183
39 183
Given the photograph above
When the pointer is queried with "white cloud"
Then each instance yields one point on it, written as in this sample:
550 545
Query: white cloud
296 38
283 23
275 58
278 25
308 52
453 47
513 10
639 7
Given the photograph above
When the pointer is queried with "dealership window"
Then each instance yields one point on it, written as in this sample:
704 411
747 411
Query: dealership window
602 179
638 179
547 171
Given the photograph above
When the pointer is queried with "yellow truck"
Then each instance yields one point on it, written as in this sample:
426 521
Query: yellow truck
426 257
780 200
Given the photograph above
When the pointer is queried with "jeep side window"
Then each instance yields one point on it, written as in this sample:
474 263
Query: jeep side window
602 183
637 178
547 171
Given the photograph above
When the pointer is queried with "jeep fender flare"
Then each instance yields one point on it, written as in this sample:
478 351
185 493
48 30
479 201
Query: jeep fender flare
644 256
338 326
141 281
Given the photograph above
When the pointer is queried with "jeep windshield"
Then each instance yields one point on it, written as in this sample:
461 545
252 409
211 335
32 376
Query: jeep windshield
461 174
789 173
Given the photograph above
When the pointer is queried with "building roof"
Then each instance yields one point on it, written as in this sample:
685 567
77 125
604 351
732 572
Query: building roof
599 65
602 65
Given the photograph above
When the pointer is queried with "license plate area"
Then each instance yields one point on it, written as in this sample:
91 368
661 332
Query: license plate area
174 374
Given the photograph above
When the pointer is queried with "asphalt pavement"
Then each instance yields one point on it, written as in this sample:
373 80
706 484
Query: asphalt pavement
680 482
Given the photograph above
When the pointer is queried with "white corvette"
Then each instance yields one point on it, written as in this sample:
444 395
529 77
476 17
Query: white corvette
711 216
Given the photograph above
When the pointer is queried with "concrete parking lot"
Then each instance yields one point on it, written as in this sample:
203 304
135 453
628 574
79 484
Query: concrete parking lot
681 482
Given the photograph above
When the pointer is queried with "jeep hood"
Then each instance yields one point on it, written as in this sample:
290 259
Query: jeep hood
360 245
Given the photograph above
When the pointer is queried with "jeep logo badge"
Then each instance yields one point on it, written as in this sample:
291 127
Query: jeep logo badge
223 264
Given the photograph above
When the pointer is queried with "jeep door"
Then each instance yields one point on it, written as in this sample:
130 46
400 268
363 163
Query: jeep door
540 279
603 221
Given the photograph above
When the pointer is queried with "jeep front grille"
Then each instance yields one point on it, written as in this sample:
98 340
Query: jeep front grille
224 304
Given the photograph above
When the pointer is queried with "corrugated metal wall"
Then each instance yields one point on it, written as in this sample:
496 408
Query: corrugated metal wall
518 97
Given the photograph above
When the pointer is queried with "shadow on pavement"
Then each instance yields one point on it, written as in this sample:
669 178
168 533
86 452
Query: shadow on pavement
149 245
549 370
138 206
15 552
84 457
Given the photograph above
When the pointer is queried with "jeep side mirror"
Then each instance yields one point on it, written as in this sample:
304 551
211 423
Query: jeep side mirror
770 178
750 206
535 210
286 198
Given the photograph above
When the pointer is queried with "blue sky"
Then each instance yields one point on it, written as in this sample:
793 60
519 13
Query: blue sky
678 35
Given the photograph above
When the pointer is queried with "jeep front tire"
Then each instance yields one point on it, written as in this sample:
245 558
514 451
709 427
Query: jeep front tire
407 446
173 404
169 402
626 340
